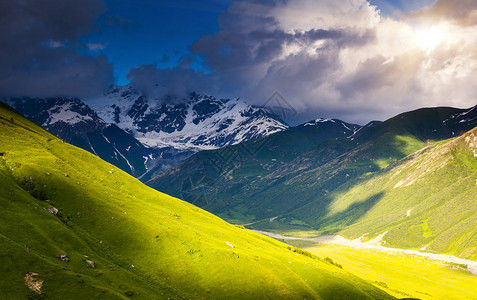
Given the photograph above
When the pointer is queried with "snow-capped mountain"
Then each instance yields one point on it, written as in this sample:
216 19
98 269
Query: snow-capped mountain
197 123
76 123
146 136
348 129
468 117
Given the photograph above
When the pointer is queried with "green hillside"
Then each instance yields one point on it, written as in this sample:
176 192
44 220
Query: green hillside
427 200
143 244
250 190
221 181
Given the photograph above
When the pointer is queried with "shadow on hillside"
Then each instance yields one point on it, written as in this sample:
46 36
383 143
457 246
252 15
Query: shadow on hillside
350 216
323 224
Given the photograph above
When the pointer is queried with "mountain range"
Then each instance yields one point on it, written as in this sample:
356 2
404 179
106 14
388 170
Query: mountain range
309 183
91 229
144 136
73 226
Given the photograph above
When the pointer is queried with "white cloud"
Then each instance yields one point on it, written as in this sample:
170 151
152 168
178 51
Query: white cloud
325 14
340 59
406 66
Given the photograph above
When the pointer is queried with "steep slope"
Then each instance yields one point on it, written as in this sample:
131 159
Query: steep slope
376 148
76 123
144 136
243 194
123 239
427 200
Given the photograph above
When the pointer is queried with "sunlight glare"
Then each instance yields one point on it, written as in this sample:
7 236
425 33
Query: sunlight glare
428 39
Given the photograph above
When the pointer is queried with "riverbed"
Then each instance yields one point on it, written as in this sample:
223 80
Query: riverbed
375 244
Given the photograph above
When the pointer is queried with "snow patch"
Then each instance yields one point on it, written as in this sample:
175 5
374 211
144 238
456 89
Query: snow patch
344 125
320 120
146 158
64 114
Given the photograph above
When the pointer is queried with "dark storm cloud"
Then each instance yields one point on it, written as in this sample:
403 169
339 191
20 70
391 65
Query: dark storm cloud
40 49
249 35
168 85
227 50
252 56
462 12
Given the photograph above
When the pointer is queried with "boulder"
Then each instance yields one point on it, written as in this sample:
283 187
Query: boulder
91 263
52 210
63 257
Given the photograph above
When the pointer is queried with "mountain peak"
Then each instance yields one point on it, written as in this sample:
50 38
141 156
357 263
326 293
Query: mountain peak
319 120
196 123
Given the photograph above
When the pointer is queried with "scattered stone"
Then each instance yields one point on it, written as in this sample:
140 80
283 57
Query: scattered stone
52 210
111 171
63 257
47 200
229 244
91 263
100 242
33 282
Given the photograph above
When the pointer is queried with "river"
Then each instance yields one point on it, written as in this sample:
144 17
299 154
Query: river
375 244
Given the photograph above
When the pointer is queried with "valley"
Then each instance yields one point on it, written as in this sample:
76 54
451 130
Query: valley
401 275
238 149
375 245
361 234
401 176
73 226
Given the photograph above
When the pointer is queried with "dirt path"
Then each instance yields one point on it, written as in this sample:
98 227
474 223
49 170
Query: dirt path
375 244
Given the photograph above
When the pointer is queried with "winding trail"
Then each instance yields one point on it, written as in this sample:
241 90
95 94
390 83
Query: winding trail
375 244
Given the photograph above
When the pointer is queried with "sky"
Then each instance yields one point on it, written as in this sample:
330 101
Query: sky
354 60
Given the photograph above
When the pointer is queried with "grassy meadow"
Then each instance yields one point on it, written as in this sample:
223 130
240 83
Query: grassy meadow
125 240
402 276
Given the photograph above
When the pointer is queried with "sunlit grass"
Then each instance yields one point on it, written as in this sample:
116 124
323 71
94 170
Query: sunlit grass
402 275
145 244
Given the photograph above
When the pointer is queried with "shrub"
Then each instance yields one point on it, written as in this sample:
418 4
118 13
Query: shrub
329 260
